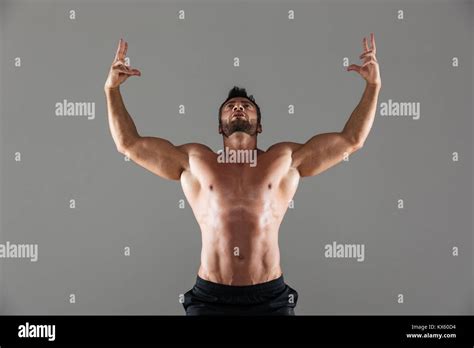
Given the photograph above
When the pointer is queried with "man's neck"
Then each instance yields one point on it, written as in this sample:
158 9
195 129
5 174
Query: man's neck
240 141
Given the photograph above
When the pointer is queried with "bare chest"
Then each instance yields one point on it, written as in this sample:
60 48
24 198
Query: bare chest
240 182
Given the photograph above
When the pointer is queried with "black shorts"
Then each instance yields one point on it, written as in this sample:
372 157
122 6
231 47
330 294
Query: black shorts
270 298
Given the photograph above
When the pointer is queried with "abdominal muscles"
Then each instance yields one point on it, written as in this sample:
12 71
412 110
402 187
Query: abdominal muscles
240 240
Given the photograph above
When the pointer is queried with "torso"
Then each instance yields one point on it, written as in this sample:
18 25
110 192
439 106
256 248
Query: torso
239 209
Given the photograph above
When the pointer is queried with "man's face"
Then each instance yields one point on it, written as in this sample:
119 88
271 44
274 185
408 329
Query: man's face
239 115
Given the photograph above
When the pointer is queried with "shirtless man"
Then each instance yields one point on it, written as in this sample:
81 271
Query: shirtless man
239 207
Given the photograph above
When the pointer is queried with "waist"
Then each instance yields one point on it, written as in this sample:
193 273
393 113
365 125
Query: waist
245 264
224 289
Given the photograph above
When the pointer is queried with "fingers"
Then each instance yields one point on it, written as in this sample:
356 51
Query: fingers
365 47
135 72
365 54
372 41
130 72
118 54
120 65
354 67
118 50
122 68
367 57
121 50
119 62
124 54
369 62
357 68
369 52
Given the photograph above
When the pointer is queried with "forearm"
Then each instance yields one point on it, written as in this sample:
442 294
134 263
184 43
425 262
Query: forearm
121 124
360 122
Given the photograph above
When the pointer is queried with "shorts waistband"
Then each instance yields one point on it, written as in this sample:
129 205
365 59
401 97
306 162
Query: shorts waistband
272 285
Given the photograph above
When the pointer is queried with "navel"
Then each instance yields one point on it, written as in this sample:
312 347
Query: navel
269 186
210 187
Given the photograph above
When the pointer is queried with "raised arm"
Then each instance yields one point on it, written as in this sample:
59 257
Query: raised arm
155 154
326 150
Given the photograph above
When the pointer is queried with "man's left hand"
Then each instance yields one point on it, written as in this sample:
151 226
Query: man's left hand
369 70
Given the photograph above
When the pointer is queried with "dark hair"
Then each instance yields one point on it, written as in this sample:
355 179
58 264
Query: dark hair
240 92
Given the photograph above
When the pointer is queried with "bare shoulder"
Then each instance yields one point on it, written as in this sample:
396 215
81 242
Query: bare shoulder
284 147
195 149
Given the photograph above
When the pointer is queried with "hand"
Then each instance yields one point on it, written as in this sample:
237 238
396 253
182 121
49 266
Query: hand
370 67
119 72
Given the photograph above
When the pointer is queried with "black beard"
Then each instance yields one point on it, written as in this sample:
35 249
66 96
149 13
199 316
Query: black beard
239 125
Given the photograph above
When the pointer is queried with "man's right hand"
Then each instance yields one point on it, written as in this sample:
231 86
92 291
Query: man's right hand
119 72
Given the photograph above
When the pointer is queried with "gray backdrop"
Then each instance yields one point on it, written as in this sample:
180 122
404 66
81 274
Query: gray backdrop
408 251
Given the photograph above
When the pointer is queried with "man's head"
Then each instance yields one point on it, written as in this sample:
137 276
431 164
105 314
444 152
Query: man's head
239 113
